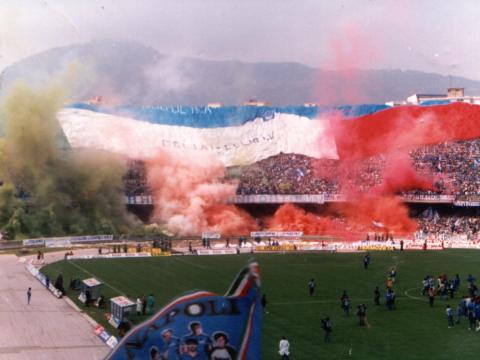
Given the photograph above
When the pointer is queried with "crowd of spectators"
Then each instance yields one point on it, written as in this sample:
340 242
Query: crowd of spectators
286 174
449 225
452 167
135 179
458 164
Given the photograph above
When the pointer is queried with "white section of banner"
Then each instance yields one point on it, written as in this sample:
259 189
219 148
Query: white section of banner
235 145
211 235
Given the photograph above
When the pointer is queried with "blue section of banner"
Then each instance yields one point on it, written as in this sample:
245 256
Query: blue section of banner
210 117
200 326
435 102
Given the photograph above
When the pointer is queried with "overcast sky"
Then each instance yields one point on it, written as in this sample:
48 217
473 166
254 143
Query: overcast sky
430 35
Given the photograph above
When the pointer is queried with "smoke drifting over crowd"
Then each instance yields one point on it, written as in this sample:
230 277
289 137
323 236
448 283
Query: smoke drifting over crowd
50 189
392 134
191 195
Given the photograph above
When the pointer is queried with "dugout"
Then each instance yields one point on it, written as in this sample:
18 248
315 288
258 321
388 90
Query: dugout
93 286
120 307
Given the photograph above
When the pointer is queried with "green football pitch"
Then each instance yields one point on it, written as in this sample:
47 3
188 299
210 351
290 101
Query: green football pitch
412 331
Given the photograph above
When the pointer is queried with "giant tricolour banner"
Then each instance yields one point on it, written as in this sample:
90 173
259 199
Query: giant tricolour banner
233 145
202 325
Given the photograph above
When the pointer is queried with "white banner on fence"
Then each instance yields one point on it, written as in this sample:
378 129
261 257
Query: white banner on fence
467 203
217 252
33 242
58 243
277 199
276 234
66 240
109 256
211 235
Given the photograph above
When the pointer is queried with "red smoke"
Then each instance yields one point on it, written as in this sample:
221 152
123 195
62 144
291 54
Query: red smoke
351 51
289 217
392 133
405 127
399 175
387 210
191 195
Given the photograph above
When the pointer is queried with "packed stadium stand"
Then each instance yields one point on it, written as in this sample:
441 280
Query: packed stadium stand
453 166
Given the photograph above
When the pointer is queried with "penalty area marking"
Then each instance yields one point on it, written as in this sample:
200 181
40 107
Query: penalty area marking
414 297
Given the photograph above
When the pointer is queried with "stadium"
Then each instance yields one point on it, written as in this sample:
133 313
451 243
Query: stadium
235 181
313 204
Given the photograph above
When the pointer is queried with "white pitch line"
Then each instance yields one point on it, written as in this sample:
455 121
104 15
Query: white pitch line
414 297
179 258
95 276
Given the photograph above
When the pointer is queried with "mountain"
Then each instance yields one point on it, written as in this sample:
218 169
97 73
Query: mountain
129 72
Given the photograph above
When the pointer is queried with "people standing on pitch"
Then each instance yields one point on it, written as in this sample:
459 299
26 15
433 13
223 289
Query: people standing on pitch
477 314
456 282
426 284
311 287
470 279
389 283
345 303
362 314
376 296
284 348
449 313
328 328
472 290
366 260
29 295
451 288
144 305
401 245
393 274
150 304
461 309
264 303
471 319
139 305
431 295
390 299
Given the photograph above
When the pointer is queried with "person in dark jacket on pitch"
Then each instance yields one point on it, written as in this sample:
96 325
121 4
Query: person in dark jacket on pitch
345 303
366 261
328 328
264 303
311 287
431 296
362 314
376 296
144 305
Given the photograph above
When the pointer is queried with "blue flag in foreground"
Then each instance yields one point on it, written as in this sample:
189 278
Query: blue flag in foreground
202 325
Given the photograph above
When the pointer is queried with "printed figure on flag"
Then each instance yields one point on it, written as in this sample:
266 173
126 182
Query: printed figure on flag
202 325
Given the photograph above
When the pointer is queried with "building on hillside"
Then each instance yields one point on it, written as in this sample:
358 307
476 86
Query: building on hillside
254 102
452 95
215 105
